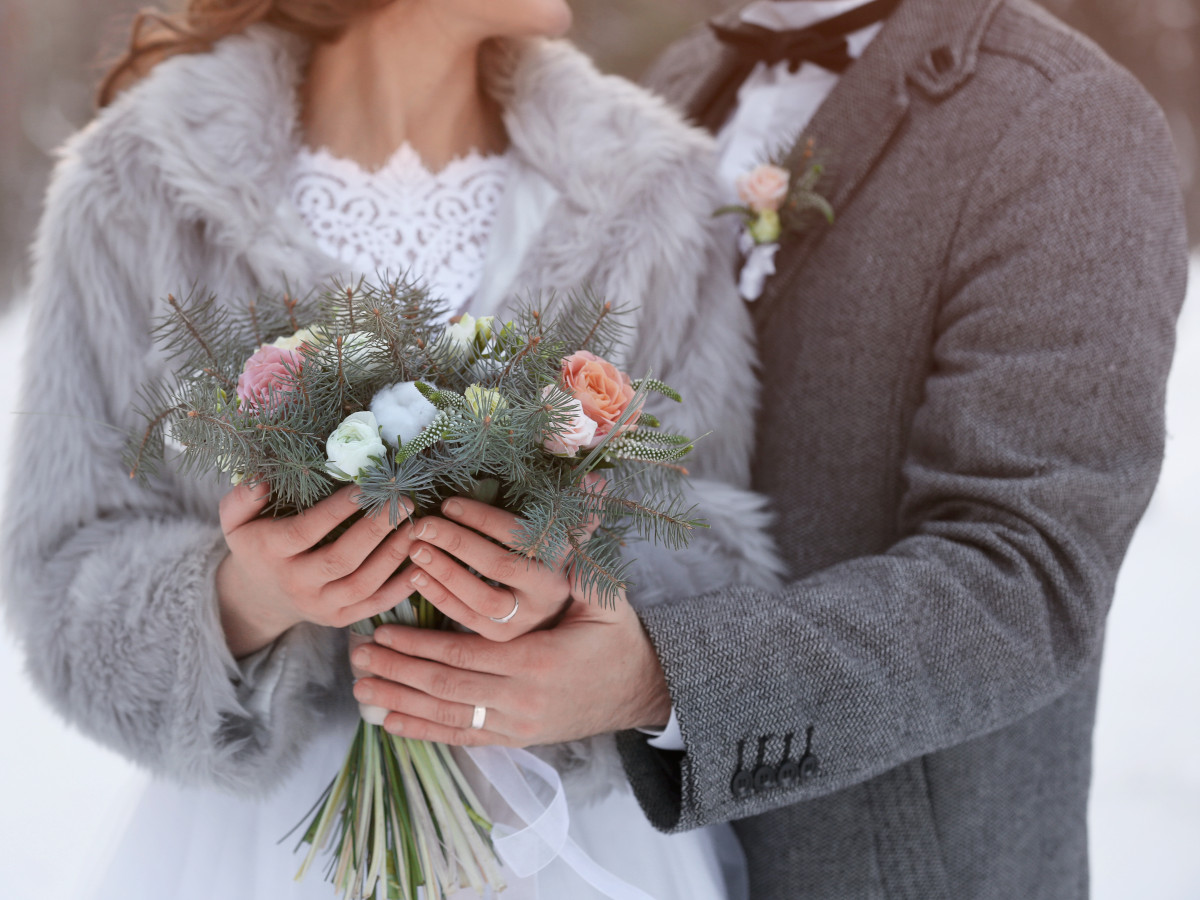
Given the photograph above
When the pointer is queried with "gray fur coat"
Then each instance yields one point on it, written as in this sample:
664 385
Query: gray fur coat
110 584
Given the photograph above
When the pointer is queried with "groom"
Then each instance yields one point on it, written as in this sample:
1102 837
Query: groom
962 422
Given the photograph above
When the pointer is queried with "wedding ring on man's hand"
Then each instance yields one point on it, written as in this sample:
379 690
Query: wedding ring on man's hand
478 717
509 617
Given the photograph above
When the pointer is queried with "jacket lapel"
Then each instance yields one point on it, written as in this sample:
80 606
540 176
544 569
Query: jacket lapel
931 43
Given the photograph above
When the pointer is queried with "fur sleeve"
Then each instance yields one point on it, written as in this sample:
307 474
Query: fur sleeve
110 583
695 333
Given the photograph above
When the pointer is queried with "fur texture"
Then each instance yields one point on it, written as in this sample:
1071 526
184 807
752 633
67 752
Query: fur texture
110 584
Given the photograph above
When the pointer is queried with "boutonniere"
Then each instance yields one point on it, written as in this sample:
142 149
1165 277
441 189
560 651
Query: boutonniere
774 204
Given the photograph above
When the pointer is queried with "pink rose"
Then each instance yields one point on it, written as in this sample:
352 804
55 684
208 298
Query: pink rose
580 432
765 188
264 372
603 390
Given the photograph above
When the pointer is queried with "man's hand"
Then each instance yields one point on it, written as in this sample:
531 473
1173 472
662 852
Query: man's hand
593 673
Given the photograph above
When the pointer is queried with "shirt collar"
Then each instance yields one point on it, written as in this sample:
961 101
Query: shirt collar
779 15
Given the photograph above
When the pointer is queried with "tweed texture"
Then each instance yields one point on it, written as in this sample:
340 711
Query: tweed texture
110 584
962 424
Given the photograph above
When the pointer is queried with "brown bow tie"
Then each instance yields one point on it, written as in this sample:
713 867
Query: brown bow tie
823 44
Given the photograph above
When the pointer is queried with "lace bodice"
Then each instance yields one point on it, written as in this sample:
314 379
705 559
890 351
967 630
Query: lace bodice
403 218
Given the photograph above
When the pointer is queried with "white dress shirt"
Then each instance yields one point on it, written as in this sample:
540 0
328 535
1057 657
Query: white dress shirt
773 109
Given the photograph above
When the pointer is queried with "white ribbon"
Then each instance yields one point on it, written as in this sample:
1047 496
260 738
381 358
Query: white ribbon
758 265
519 778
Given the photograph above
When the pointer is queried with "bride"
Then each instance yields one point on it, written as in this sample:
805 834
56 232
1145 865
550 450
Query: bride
249 142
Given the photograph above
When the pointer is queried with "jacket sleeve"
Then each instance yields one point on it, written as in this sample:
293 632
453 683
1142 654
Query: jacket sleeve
1030 462
109 583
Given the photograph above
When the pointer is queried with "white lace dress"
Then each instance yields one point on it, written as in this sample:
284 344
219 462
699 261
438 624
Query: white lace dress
190 844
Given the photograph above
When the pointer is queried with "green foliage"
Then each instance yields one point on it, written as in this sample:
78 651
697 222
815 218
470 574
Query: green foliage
491 387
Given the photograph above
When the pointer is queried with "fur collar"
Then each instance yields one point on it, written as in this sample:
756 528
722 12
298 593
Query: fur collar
213 135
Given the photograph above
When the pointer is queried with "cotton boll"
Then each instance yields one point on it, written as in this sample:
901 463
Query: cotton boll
402 411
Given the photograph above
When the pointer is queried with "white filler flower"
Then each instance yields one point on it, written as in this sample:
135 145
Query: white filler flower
355 447
402 412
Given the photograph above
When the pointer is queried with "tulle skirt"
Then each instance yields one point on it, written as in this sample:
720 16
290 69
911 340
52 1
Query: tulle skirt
195 844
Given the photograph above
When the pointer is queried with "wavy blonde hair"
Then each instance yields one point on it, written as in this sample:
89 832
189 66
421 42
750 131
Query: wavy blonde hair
156 35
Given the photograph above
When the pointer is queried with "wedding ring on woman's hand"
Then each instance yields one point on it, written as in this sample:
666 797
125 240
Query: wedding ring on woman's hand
509 617
478 717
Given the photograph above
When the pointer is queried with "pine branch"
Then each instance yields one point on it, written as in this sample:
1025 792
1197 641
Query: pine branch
215 369
604 313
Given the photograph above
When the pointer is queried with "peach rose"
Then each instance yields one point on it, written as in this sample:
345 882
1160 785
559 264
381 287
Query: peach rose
764 188
264 372
602 389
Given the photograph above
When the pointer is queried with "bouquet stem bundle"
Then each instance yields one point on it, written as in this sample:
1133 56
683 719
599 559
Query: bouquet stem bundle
400 813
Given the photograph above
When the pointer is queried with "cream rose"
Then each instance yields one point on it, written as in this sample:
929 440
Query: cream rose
354 447
764 188
577 434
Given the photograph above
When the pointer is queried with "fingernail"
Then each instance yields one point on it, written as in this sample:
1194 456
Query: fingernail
372 715
419 579
364 692
362 657
428 530
393 727
381 636
452 508
423 556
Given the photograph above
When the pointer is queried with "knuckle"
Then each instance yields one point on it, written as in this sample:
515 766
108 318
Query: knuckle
452 541
442 684
459 656
506 568
292 530
334 564
445 715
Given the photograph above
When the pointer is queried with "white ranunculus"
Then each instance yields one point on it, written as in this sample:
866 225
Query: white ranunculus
354 447
460 336
467 335
295 341
402 412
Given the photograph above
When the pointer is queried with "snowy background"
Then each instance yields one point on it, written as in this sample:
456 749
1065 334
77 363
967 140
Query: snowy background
64 797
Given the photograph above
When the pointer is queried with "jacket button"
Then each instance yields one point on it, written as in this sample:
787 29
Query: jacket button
743 785
764 778
809 767
941 60
788 774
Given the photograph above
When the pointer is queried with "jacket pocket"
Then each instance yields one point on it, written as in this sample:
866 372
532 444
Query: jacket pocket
906 841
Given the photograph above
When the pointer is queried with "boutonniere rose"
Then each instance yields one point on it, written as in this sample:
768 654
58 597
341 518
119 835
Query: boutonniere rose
773 204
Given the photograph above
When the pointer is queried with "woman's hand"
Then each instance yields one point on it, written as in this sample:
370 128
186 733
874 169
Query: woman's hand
273 577
532 593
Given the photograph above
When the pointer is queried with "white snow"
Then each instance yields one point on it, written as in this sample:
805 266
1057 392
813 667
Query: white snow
64 797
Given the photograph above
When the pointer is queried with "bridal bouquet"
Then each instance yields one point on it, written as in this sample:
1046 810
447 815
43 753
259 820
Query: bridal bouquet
367 384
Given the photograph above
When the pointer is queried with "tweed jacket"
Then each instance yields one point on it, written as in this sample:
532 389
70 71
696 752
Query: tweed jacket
962 423
181 183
